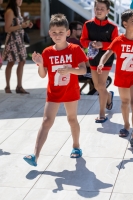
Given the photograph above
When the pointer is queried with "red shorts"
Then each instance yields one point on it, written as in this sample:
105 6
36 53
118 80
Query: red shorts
124 81
108 68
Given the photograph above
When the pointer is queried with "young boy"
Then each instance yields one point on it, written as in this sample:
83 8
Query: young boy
98 33
63 62
123 47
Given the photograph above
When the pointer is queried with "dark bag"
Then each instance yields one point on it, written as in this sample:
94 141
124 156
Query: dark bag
26 38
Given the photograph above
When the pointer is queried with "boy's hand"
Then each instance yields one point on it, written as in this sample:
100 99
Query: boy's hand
37 58
99 68
97 45
63 71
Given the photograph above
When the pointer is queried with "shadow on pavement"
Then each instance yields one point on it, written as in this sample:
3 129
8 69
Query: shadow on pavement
81 177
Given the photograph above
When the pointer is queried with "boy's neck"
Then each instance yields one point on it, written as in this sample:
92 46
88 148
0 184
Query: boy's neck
129 35
61 46
102 19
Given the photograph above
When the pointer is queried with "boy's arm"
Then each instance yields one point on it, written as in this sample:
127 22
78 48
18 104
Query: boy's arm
84 40
42 71
37 58
103 60
80 70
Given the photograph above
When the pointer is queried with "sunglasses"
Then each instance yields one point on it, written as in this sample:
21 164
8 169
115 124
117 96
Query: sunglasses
80 29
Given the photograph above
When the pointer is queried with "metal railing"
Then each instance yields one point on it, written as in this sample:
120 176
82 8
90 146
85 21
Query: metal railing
115 13
85 9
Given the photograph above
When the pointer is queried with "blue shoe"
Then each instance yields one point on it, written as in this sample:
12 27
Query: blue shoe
123 133
76 151
110 106
31 161
101 120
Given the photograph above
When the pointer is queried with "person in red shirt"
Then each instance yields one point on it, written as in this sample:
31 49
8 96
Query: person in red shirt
97 35
123 47
63 62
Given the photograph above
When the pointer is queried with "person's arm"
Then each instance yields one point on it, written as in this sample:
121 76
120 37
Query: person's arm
84 40
80 70
9 15
103 60
105 45
37 58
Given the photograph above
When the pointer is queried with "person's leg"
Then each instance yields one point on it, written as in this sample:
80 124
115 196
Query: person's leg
125 108
8 76
50 111
131 94
19 88
100 85
71 111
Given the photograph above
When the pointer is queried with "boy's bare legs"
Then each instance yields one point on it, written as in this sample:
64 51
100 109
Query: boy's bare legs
100 85
50 111
131 95
71 111
8 76
125 106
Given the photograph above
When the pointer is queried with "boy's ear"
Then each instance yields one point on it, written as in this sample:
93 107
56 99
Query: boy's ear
68 33
108 11
124 24
49 33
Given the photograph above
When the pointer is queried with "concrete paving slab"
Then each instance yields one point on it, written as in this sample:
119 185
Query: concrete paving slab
98 145
121 196
13 193
44 194
17 173
124 180
99 175
65 173
4 134
23 142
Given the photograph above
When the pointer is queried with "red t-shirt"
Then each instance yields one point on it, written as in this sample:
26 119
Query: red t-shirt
124 52
63 88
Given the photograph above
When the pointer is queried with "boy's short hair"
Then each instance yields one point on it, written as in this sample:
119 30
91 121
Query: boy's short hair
59 20
126 15
106 2
74 24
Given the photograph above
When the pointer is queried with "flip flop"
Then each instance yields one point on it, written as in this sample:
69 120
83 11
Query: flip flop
101 120
110 106
76 151
31 161
123 133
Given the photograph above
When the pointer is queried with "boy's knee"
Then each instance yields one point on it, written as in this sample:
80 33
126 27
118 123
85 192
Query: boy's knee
47 122
72 120
125 102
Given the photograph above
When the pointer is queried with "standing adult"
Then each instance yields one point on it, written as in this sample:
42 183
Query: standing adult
75 32
15 50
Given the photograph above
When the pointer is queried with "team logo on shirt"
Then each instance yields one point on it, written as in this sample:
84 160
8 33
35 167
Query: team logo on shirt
60 59
127 64
56 63
60 80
